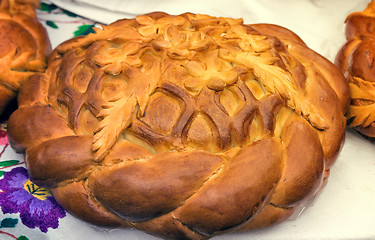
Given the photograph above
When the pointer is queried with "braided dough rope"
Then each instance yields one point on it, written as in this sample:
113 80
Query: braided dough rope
182 126
356 61
24 46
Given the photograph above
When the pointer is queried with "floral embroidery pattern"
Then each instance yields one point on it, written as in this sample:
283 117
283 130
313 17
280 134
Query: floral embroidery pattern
10 223
85 28
36 205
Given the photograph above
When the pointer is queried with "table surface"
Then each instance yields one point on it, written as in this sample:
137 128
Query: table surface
345 208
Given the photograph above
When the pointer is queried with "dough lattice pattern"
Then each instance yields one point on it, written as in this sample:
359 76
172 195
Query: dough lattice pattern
182 126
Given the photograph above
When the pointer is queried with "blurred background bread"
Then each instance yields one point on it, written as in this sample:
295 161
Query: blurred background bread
24 47
356 60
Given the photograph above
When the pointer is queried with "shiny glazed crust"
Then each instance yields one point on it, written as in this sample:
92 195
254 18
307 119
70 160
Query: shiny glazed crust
24 46
356 61
183 126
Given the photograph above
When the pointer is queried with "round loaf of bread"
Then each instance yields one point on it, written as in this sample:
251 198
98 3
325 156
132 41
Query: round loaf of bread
356 60
24 47
183 126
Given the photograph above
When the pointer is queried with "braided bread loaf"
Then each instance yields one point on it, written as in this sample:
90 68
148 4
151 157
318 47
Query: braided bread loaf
182 126
24 45
356 61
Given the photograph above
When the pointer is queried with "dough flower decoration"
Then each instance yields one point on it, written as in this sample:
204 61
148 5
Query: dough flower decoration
212 73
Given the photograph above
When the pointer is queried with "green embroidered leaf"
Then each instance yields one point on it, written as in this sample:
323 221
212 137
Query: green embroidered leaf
22 237
1 173
51 24
8 223
83 30
70 14
8 163
47 7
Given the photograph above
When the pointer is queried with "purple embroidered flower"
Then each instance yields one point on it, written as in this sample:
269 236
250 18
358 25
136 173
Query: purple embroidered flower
36 205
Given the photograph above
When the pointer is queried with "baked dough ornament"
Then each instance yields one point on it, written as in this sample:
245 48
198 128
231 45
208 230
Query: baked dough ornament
24 47
356 61
183 126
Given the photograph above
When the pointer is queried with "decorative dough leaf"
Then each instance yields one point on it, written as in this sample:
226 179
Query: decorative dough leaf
362 115
116 116
280 81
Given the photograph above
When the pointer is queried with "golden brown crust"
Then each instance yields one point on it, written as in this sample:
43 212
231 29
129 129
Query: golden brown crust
48 165
356 61
42 123
75 198
190 125
26 7
24 46
318 67
268 216
299 176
